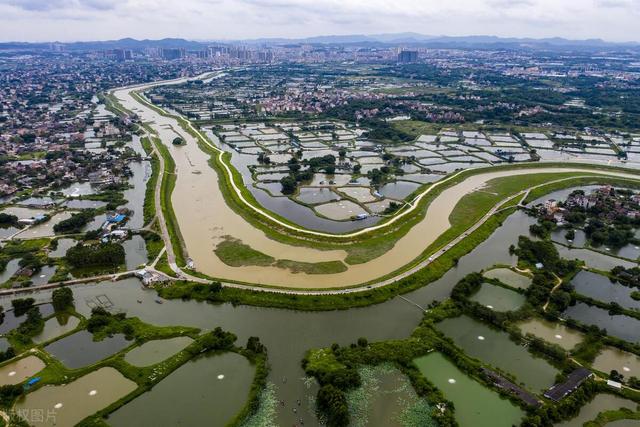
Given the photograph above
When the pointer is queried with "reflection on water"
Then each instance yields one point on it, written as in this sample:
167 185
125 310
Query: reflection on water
316 195
593 259
78 189
56 326
9 270
10 321
135 252
603 289
79 349
6 232
552 332
42 277
398 190
624 327
135 195
62 247
609 359
602 402
509 277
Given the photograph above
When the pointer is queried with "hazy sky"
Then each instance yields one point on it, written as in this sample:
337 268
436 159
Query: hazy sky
68 20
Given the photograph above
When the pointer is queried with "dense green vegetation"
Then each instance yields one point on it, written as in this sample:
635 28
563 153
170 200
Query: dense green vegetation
531 252
62 299
607 219
7 219
96 255
75 223
22 305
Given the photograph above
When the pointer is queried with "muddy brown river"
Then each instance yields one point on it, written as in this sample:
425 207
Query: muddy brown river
205 219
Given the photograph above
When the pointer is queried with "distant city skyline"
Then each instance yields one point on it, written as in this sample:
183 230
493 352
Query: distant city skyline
88 20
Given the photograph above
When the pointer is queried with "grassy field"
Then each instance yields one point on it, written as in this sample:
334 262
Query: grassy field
149 208
167 185
237 254
163 266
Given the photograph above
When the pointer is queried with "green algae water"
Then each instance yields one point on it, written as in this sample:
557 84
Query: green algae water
475 405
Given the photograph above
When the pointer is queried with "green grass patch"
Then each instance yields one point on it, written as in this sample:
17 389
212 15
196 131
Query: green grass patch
153 243
163 266
167 185
236 254
327 267
15 248
149 207
416 127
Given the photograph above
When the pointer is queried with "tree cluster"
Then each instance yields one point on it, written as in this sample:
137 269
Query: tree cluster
100 255
74 223
62 298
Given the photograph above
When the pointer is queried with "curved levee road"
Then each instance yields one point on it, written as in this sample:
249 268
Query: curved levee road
205 219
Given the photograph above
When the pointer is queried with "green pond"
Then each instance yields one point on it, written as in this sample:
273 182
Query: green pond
156 351
56 326
475 405
509 277
602 402
209 390
68 404
387 399
495 348
552 332
498 298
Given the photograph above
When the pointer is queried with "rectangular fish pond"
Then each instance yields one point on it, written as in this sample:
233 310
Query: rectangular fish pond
498 298
68 404
620 326
475 405
214 389
79 350
387 399
496 348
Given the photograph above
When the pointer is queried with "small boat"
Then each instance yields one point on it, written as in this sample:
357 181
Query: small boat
158 301
139 301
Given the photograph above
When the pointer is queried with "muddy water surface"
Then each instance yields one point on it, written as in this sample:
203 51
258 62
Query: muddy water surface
66 405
